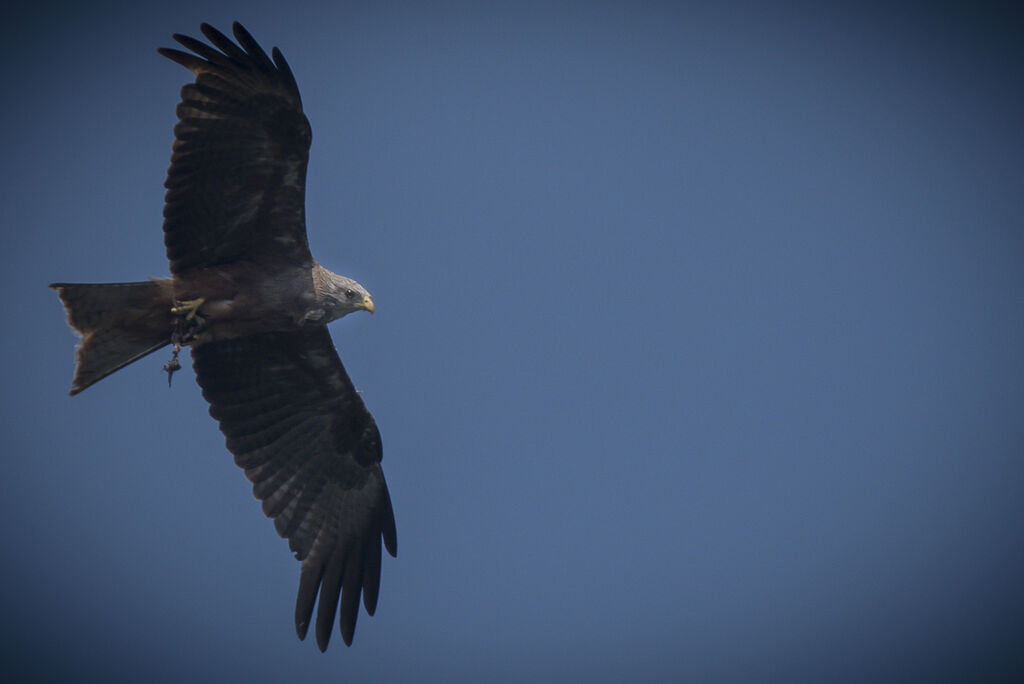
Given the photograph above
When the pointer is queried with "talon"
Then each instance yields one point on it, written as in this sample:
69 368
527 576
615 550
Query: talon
188 307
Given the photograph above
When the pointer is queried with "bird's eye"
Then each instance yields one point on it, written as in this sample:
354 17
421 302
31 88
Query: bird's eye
350 294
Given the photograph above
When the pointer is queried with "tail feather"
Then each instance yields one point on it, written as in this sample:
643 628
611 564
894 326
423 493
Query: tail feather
119 323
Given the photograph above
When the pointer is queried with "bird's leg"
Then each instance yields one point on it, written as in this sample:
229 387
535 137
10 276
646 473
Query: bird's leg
187 307
187 329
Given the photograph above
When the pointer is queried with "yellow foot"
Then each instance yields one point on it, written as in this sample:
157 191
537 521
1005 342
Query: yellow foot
189 307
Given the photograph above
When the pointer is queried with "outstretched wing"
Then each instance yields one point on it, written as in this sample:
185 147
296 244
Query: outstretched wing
236 184
298 427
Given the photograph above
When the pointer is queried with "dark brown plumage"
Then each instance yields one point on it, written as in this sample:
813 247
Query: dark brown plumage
236 185
253 304
297 426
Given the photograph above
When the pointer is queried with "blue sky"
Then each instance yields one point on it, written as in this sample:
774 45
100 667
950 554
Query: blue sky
697 353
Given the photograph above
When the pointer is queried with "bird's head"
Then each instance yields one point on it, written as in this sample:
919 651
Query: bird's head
341 296
346 296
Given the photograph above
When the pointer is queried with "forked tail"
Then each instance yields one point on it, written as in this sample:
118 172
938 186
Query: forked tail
119 323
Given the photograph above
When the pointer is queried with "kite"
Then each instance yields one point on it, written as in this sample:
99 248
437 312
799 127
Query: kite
251 303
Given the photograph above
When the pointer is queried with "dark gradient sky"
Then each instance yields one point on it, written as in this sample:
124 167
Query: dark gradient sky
697 354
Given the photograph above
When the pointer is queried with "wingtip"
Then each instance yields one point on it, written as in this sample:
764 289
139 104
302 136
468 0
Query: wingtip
390 536
322 638
301 628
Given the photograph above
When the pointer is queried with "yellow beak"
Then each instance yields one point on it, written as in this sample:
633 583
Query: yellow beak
367 304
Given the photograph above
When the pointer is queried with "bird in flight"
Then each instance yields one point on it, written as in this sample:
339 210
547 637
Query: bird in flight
248 299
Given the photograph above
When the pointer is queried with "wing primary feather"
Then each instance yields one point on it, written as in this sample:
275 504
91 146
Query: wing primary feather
222 42
190 62
203 50
388 528
286 71
330 589
309 584
253 48
371 575
351 586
